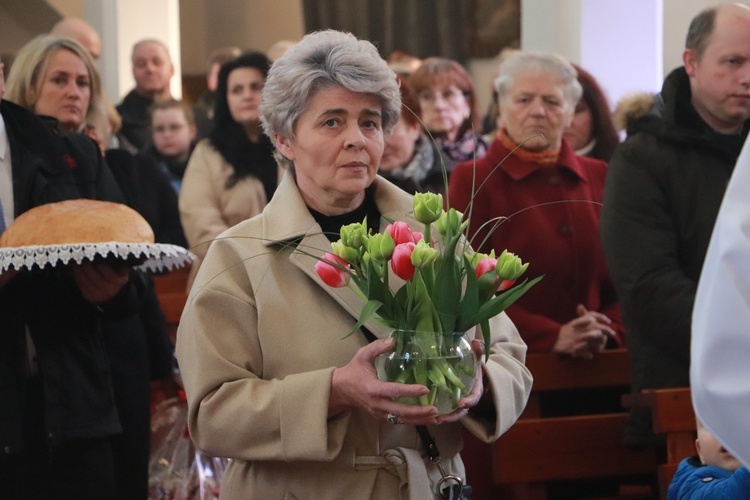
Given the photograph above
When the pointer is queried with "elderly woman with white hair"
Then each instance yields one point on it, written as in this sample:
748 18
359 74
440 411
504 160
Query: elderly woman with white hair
270 381
532 195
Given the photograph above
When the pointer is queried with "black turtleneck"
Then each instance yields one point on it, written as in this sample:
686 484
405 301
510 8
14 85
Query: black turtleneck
331 224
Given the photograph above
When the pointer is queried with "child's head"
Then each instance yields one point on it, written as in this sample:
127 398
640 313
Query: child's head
711 452
173 129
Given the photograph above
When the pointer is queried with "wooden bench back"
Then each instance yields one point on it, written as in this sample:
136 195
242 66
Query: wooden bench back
673 416
551 372
171 289
537 450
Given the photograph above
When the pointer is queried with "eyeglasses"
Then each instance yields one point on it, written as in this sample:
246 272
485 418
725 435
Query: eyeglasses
448 95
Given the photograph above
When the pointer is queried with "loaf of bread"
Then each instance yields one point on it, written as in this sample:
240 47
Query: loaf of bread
77 221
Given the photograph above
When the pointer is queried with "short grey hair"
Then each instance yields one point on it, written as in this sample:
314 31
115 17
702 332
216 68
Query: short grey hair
321 60
554 64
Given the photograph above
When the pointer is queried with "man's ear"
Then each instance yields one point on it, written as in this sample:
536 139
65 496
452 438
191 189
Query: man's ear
284 146
690 60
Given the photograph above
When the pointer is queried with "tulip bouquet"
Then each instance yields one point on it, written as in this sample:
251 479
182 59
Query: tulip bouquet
447 288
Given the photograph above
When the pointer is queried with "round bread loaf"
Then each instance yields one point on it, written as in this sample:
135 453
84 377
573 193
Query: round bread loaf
77 221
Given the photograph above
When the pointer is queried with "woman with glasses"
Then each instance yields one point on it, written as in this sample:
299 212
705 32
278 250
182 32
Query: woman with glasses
410 159
232 173
445 94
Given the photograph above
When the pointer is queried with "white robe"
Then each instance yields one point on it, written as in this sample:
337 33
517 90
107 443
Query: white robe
720 348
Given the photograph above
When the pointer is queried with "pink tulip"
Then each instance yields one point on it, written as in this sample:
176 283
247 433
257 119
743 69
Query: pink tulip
417 236
400 232
484 265
330 273
401 261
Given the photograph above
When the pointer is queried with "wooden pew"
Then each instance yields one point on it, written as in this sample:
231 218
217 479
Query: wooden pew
538 449
673 416
172 281
171 289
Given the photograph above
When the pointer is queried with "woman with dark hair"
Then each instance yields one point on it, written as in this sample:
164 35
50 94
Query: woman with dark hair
592 132
447 108
231 174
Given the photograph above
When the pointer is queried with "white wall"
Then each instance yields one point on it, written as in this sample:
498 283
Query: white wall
628 45
618 41
622 68
122 23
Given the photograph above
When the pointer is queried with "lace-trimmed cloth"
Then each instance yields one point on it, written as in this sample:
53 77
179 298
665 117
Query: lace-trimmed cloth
155 256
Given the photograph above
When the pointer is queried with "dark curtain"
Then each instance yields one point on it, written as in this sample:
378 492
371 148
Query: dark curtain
423 28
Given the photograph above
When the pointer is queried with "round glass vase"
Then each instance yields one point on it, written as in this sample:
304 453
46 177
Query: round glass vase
444 362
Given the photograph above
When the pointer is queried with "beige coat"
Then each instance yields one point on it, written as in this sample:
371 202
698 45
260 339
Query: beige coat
258 342
207 207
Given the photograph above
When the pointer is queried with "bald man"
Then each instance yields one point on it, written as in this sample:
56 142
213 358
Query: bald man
664 186
152 71
79 30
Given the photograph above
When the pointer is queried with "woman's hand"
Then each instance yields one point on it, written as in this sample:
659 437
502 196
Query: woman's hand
469 401
100 282
585 335
356 385
6 276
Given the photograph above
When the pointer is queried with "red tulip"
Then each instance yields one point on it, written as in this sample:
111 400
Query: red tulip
401 261
331 273
400 232
506 284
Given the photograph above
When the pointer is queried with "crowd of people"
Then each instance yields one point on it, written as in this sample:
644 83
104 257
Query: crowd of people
282 150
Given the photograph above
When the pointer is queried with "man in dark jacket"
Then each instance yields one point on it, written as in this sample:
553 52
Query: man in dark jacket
57 408
152 71
664 187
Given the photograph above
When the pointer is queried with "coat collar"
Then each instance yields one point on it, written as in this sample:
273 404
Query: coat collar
287 221
36 134
286 217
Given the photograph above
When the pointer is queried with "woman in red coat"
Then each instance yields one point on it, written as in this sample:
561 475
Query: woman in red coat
546 201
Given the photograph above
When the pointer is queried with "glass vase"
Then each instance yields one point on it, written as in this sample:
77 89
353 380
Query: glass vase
444 362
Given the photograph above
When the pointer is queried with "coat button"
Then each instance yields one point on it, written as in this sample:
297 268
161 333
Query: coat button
565 230
553 180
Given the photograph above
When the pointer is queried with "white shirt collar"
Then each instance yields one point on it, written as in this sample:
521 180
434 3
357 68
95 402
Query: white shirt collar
6 174
3 139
